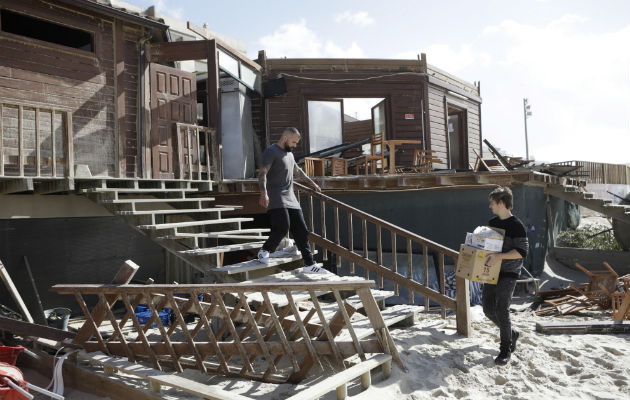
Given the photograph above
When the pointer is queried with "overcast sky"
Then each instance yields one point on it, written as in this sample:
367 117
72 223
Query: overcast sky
570 58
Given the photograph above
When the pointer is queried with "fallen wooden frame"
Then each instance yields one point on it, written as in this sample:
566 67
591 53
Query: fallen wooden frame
254 344
584 327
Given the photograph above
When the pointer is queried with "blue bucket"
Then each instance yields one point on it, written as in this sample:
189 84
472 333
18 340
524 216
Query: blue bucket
144 314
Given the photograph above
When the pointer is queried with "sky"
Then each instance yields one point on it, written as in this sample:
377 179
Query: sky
569 58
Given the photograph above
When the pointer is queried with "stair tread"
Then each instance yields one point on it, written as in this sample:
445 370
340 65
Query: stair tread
222 249
171 225
215 234
141 190
175 211
298 275
363 327
176 200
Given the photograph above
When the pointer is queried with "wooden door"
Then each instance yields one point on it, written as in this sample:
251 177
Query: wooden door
173 99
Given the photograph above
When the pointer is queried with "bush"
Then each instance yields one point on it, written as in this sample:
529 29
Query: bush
589 237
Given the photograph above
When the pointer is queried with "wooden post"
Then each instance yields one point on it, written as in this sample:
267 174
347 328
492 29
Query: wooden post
8 282
38 145
387 369
69 146
53 145
342 391
425 262
212 90
21 140
463 306
119 90
39 315
366 380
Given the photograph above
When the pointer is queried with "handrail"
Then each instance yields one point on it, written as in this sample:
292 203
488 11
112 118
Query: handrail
268 332
21 165
319 238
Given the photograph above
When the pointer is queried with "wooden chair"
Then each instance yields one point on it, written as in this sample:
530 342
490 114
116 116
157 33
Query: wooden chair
377 156
422 162
338 166
487 164
314 166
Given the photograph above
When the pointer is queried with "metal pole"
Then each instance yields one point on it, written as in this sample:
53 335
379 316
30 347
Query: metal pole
525 119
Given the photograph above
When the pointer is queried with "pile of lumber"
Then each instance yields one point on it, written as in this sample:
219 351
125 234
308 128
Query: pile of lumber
604 290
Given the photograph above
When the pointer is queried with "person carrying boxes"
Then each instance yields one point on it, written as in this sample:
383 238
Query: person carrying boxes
496 298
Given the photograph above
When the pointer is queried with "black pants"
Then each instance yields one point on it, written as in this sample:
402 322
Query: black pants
283 220
496 301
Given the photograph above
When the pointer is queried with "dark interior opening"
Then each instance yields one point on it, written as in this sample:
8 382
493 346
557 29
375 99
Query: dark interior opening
20 24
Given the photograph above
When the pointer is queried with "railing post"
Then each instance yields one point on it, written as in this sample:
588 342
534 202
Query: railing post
1 142
69 145
463 306
38 151
53 145
21 140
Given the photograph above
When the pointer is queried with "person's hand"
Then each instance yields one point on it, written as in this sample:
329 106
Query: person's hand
263 200
493 259
316 187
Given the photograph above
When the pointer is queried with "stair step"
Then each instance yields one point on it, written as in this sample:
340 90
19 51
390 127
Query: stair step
222 249
363 327
254 265
176 200
137 191
218 234
589 195
172 225
618 206
177 211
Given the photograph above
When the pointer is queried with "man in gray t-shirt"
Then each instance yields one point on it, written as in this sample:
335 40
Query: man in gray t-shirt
275 179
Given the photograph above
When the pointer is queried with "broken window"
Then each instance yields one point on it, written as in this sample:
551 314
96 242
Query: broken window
325 124
35 28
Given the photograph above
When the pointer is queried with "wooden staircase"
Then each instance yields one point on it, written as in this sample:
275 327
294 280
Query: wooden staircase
178 217
577 195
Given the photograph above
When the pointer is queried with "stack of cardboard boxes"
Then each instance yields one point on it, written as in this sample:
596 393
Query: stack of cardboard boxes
471 263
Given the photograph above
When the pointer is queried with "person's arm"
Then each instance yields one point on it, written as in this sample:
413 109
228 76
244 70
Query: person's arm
301 173
495 258
262 185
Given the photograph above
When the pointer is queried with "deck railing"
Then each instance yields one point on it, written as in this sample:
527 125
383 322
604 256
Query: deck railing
199 153
602 173
35 141
271 332
358 255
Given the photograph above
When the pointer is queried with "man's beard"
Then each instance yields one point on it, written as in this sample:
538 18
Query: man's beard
287 148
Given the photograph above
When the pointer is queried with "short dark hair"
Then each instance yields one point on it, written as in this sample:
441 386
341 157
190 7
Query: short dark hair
502 194
291 131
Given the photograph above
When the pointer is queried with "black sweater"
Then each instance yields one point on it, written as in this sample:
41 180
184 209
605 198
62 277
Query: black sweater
515 238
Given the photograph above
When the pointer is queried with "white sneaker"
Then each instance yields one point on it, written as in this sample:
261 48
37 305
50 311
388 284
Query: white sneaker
314 269
263 256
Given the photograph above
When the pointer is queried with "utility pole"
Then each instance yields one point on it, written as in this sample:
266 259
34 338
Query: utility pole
526 113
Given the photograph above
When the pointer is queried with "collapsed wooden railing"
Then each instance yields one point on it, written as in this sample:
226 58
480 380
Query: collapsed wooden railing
319 237
256 343
196 156
23 131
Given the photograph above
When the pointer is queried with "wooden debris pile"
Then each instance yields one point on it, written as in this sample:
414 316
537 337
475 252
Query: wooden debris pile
605 289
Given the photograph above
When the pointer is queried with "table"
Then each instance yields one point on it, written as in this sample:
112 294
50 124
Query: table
392 143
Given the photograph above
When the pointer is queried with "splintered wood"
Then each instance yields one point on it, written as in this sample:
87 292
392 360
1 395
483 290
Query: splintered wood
228 335
605 289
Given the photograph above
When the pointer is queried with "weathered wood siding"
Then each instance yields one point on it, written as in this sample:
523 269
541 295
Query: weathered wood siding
34 72
404 84
438 100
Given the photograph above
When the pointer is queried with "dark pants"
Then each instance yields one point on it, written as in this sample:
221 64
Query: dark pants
496 306
283 220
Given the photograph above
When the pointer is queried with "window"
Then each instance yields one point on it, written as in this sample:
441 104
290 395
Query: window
24 25
324 124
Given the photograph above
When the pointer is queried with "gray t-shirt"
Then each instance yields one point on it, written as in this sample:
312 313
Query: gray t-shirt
279 164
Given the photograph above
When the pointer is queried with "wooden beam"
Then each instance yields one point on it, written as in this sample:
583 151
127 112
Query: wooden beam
69 142
119 95
54 186
212 87
8 282
584 327
31 329
16 185
463 306
179 51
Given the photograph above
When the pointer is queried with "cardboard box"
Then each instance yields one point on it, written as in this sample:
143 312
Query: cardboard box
471 264
493 241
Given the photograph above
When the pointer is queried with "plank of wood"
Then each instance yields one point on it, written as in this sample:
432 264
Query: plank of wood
8 282
584 327
190 199
172 225
392 315
222 249
176 211
327 385
32 329
40 316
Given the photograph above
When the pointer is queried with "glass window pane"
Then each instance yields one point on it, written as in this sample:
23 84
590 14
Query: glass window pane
228 63
249 77
324 124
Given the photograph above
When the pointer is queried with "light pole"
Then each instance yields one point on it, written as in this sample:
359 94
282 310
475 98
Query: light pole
526 113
